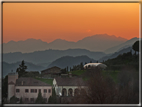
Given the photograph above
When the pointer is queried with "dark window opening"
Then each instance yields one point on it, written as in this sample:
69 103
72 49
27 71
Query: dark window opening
32 90
49 90
35 90
39 90
45 90
26 90
17 90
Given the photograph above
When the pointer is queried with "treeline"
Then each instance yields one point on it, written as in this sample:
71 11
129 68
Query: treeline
122 60
74 68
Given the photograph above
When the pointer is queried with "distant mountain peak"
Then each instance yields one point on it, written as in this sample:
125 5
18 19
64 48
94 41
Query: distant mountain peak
104 37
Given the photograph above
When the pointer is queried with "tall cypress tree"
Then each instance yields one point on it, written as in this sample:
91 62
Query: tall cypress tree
53 99
40 99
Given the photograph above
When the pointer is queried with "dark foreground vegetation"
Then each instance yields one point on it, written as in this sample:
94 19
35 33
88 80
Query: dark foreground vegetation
103 90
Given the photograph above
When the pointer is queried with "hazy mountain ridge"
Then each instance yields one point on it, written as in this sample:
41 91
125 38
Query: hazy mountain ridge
114 55
98 42
49 55
69 61
126 44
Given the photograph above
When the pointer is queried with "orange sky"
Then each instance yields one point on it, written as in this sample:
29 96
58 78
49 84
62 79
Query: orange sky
69 21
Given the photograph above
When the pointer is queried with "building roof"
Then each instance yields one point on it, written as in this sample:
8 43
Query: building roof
28 81
95 65
11 83
48 70
72 81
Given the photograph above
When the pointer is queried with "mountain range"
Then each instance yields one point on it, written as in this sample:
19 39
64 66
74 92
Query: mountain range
61 62
98 42
49 56
126 44
114 55
69 61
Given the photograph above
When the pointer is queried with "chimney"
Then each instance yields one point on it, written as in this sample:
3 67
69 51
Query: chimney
70 74
22 83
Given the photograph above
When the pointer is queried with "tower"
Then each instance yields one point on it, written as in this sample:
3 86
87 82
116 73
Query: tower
11 84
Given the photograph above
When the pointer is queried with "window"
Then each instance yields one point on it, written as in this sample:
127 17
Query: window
45 90
26 99
32 90
32 99
17 90
26 90
18 99
35 90
49 90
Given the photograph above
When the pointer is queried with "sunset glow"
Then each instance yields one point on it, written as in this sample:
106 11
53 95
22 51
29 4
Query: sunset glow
69 21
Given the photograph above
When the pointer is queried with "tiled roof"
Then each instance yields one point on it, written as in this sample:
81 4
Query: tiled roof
70 81
28 81
11 83
48 70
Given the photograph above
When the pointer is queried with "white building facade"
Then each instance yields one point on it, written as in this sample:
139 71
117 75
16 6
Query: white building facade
27 88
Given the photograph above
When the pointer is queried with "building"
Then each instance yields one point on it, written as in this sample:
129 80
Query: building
68 86
93 65
27 88
51 72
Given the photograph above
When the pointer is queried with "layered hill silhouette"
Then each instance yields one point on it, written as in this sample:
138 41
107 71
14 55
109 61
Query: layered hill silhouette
98 42
48 56
69 61
61 62
126 44
114 55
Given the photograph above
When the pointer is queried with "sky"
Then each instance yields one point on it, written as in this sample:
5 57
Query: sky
69 21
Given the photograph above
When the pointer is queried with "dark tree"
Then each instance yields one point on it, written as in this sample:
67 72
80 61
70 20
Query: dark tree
53 98
81 65
135 47
103 90
67 69
21 102
5 88
40 99
22 69
13 100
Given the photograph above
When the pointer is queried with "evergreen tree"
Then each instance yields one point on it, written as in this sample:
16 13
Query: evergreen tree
22 69
21 102
135 47
13 100
53 99
5 87
70 69
81 65
40 99
67 69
